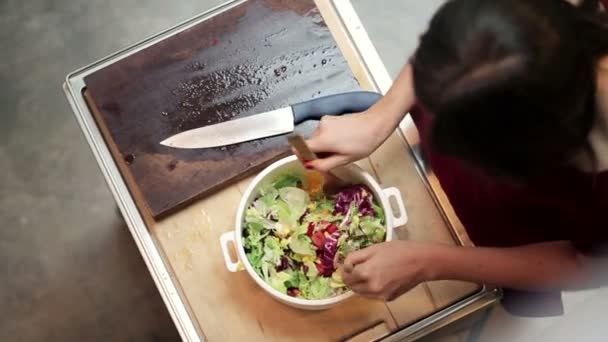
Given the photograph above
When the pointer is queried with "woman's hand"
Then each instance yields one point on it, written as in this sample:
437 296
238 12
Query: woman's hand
347 138
387 270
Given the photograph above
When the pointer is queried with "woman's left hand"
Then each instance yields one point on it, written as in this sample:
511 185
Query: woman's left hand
387 270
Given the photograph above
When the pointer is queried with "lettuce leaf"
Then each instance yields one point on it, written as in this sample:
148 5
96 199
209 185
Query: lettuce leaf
379 213
256 222
272 254
312 271
277 281
369 225
350 245
255 258
288 209
262 205
301 244
379 235
266 269
373 229
297 278
325 205
318 288
286 180
336 280
296 199
353 226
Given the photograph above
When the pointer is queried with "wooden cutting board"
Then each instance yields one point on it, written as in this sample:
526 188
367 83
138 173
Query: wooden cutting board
259 56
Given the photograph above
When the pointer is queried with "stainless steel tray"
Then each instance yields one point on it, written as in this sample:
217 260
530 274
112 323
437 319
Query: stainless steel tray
169 290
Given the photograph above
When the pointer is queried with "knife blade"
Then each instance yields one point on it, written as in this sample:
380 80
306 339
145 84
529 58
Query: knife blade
272 123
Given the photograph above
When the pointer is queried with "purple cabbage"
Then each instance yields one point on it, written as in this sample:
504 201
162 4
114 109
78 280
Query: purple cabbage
283 265
329 253
360 195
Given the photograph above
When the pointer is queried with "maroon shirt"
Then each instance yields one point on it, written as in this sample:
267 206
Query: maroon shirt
569 205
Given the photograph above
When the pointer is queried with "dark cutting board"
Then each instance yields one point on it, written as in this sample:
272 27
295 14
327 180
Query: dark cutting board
257 56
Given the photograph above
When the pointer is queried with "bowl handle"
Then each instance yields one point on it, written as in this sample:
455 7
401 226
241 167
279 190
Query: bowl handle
393 192
225 239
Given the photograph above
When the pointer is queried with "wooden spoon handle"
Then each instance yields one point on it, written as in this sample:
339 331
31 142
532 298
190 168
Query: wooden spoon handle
303 152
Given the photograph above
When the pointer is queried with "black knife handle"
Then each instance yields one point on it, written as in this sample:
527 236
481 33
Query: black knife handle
338 104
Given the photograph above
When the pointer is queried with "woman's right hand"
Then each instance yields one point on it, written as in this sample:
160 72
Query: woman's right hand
344 139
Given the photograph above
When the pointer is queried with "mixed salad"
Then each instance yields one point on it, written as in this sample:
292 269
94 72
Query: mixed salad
295 236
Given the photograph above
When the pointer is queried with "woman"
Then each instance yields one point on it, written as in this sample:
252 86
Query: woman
511 100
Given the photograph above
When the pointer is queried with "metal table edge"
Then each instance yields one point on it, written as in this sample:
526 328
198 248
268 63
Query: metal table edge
161 275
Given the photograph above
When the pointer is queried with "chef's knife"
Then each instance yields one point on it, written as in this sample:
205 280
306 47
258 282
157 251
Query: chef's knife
275 122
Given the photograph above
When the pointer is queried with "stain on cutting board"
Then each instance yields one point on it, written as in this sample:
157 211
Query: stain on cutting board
257 56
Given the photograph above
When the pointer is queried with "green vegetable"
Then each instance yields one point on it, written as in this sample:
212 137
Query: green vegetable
323 210
255 221
379 212
318 288
272 254
296 199
301 244
353 227
262 205
379 236
255 258
336 280
325 204
277 281
286 180
312 270
265 269
297 278
373 228
349 246
369 225
286 223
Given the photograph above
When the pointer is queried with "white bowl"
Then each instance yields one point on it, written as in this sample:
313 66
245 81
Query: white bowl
291 165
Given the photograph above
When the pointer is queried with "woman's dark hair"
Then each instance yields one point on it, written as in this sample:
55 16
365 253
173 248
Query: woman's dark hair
511 83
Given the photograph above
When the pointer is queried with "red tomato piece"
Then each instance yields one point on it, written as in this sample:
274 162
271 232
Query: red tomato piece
332 228
318 239
311 228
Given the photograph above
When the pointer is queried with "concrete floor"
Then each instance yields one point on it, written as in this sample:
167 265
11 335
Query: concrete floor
69 268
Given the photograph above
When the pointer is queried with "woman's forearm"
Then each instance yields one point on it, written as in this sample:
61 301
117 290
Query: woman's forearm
397 101
543 266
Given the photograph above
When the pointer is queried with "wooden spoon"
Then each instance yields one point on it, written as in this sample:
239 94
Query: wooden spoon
333 182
